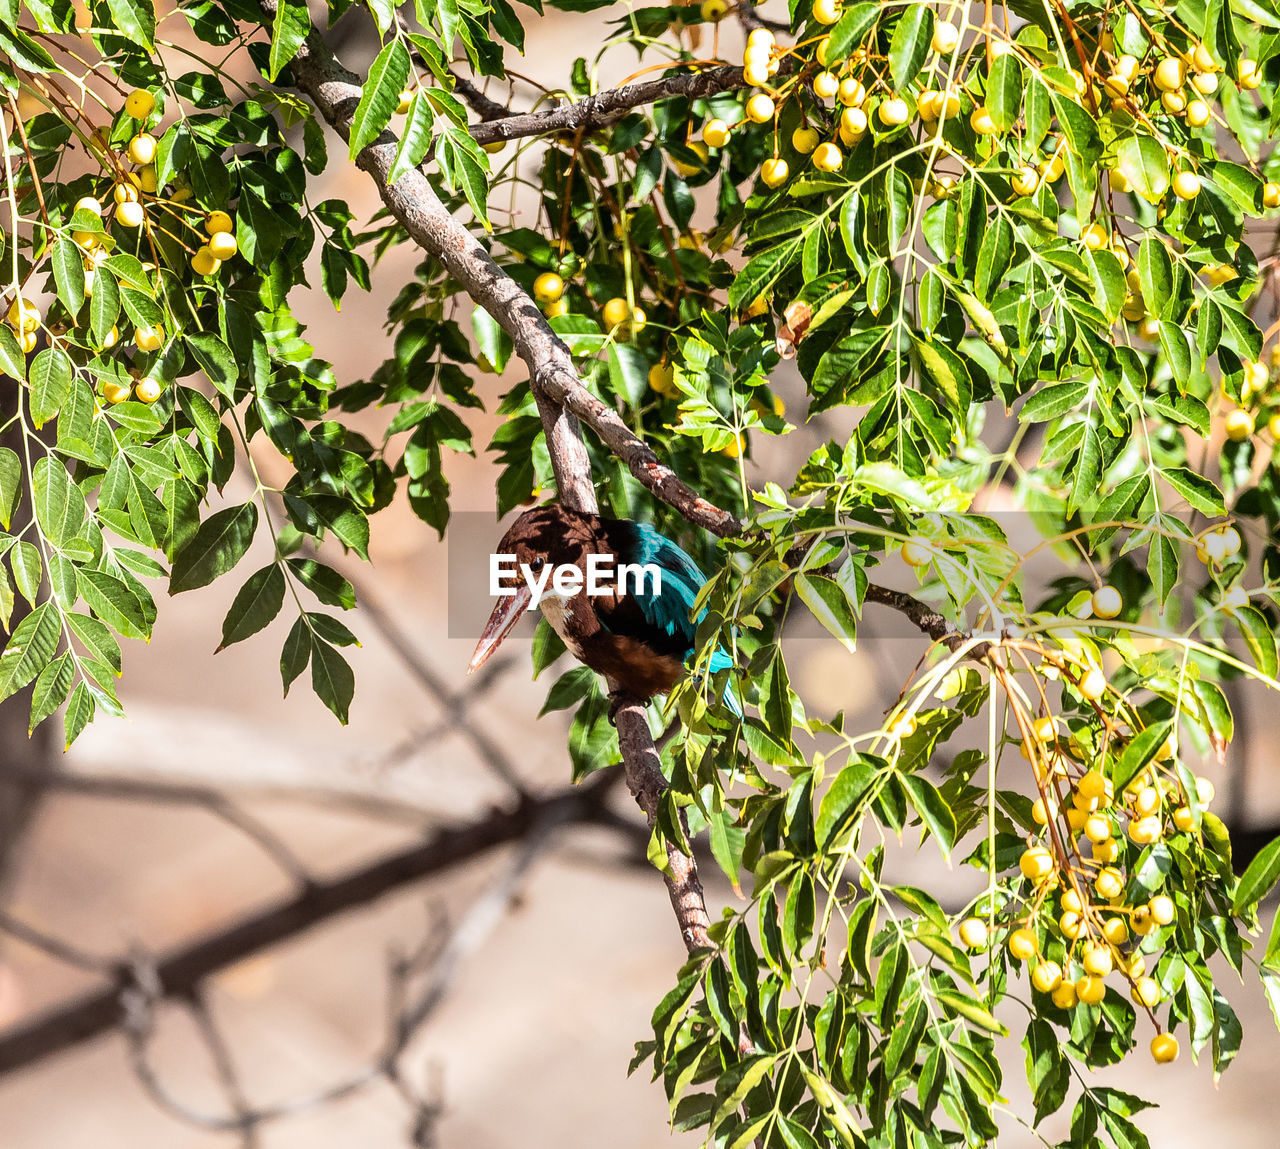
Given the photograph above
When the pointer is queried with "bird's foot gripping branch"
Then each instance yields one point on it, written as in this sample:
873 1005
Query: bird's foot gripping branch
993 260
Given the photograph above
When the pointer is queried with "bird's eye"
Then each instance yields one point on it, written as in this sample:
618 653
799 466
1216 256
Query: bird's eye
538 564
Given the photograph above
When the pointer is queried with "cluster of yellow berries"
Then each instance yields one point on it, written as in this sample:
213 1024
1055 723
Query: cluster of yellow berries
130 211
24 317
1089 913
618 317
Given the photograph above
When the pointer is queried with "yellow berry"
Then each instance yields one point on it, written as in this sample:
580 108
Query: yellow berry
773 172
945 37
556 308
1097 961
1186 185
1064 997
116 392
1164 1048
130 214
804 140
981 122
404 102
1271 194
1206 83
827 158
851 92
1140 921
1039 814
1115 931
1072 902
125 193
204 262
1162 909
1145 831
216 221
1238 425
149 338
826 11
1072 925
1248 74
973 933
147 179
1036 864
1183 819
715 133
1204 791
760 108
1146 991
1093 685
1169 74
1047 976
853 124
1109 883
1022 944
825 85
1025 181
713 11
1202 59
662 377
148 389
1174 102
894 112
1197 113
1090 990
223 245
548 287
1107 602
139 103
142 148
1105 852
1097 828
88 203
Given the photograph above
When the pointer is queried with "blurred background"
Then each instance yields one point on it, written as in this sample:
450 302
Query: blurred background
219 810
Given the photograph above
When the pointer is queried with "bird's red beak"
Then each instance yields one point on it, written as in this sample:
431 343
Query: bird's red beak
504 617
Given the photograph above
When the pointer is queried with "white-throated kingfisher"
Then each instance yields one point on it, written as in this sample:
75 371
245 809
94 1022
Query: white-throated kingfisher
636 634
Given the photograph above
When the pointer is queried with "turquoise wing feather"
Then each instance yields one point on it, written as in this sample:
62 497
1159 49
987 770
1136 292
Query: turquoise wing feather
669 610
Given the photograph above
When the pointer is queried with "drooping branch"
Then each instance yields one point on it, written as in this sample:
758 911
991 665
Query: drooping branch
925 619
608 107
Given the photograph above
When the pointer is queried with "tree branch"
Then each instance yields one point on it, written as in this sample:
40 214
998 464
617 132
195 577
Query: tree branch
607 107
925 619
183 970
647 784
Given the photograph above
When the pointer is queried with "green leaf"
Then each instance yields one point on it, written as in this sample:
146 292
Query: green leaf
51 689
79 713
296 653
324 582
910 44
1004 94
850 30
1257 880
415 137
12 360
1155 268
216 361
994 255
381 95
256 604
97 639
288 31
10 486
1054 400
332 679
28 571
59 503
1143 161
1258 636
68 274
972 1011
218 545
933 810
136 19
114 602
841 801
1140 753
830 606
29 649
50 384
1199 492
104 305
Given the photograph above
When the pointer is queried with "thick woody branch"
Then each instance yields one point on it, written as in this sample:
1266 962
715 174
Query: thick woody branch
562 399
181 972
647 784
608 107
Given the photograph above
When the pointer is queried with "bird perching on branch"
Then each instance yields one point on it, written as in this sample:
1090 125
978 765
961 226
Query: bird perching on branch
618 593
